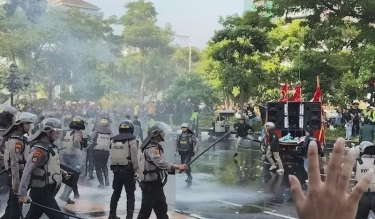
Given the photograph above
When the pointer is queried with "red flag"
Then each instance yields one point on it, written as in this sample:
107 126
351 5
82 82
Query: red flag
317 95
284 93
297 94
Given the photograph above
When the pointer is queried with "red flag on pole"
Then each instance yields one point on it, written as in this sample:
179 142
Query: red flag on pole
317 95
297 94
284 93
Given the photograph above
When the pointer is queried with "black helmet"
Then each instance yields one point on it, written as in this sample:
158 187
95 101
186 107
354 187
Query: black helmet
50 124
77 123
7 114
126 126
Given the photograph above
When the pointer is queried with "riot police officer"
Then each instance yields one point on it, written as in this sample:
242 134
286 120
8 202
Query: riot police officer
6 119
15 156
365 161
187 147
124 163
71 151
90 126
102 143
42 171
152 173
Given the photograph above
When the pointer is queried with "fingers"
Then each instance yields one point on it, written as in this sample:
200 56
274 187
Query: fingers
334 164
361 187
344 178
296 190
313 164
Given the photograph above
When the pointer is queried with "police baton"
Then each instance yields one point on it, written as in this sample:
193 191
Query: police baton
55 210
51 209
3 171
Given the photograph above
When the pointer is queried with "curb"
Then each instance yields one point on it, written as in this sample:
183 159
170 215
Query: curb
189 215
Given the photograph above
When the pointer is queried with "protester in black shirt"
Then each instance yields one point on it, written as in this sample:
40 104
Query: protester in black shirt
242 129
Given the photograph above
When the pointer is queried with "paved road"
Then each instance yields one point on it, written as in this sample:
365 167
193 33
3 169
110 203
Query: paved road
222 188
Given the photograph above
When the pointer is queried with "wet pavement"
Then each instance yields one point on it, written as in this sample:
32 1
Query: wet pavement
222 188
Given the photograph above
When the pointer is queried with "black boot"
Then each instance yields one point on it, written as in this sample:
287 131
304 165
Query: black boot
100 177
111 216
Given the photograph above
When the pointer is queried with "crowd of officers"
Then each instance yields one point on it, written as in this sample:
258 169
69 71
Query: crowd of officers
31 162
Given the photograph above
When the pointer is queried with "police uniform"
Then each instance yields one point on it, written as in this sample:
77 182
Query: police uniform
185 145
102 143
365 162
15 156
124 163
6 119
71 152
42 173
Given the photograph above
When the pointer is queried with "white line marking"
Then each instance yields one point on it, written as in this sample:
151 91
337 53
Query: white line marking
266 212
229 203
279 215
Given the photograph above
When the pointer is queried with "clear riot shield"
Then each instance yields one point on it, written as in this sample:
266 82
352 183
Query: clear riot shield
170 187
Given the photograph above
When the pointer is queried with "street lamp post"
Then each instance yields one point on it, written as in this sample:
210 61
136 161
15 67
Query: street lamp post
189 41
13 83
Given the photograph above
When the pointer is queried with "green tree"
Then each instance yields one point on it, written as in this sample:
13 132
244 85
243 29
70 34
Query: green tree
146 41
70 46
238 49
191 87
181 58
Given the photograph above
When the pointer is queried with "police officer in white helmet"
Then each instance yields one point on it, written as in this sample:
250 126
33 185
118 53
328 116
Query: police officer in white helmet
124 163
42 171
365 162
102 142
15 155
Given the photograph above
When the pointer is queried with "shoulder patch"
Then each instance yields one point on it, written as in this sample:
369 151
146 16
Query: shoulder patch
18 147
157 152
37 154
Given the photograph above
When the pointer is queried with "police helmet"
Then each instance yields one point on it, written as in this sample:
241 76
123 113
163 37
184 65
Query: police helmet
104 122
6 116
50 124
367 147
154 131
24 117
77 123
270 125
126 126
185 125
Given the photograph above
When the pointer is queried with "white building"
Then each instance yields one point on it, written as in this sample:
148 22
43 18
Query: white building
83 6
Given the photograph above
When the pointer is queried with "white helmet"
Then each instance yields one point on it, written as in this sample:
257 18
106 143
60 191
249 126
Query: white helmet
24 117
185 125
269 125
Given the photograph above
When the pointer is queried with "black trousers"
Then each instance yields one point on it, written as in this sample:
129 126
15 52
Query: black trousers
91 159
185 159
123 179
355 128
153 198
43 196
100 162
13 209
366 204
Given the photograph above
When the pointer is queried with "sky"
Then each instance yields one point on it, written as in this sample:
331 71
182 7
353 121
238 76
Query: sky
198 18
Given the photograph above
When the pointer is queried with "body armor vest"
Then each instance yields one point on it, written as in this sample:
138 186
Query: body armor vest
363 165
25 151
103 142
184 142
120 152
68 143
49 173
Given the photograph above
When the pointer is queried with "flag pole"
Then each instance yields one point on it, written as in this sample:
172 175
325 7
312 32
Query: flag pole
321 108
